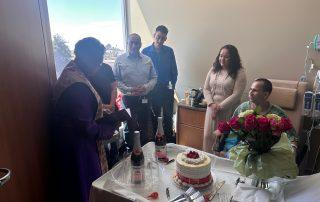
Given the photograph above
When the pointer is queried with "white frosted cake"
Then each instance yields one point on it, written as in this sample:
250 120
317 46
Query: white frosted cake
193 169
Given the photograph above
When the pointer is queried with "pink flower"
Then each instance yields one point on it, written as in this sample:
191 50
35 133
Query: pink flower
263 124
273 124
250 122
281 126
224 127
234 123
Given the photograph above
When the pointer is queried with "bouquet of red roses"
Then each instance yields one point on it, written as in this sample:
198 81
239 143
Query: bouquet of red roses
258 131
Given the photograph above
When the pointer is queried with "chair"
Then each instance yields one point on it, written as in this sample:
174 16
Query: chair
289 96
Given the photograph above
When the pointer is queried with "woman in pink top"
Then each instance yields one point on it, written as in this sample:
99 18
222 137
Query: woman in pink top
223 89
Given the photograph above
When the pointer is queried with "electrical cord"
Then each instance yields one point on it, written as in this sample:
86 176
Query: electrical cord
307 58
309 133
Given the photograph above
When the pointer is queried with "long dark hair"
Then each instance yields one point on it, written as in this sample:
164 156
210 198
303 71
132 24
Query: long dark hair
234 62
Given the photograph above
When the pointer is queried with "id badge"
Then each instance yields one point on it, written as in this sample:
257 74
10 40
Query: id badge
144 101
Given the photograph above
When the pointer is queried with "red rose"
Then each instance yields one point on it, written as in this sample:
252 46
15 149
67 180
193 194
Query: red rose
234 124
284 124
224 127
263 124
250 122
274 125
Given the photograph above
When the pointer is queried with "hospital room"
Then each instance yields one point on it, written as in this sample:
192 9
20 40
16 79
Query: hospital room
139 100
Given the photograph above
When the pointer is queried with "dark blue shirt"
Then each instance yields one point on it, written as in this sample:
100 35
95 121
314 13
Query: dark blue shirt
164 62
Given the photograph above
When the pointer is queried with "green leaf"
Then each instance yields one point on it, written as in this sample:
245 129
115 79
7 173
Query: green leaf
257 110
241 120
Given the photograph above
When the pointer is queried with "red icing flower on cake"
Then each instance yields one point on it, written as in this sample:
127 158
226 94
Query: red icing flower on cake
193 155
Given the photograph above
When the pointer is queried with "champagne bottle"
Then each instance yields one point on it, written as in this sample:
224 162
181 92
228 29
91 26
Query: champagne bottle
137 160
160 142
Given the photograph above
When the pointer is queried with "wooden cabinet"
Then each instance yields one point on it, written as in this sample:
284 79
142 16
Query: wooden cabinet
190 123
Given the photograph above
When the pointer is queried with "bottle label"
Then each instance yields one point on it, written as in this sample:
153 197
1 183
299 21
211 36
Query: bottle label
161 152
137 175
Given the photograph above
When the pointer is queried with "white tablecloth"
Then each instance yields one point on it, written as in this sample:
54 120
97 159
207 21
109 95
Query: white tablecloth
303 188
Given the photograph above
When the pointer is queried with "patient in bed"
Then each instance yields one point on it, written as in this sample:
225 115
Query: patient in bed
259 92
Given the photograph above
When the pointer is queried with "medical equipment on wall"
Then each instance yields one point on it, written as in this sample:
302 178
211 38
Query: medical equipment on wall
311 108
316 83
311 100
308 62
311 104
307 103
316 106
316 42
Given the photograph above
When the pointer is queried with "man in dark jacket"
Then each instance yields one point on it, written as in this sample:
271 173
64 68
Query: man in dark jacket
163 94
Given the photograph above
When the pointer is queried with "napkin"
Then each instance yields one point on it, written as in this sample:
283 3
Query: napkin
250 193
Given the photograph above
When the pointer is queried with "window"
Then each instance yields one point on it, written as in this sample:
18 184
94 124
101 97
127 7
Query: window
72 20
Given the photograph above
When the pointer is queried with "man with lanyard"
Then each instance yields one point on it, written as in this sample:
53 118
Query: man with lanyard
136 77
259 92
163 94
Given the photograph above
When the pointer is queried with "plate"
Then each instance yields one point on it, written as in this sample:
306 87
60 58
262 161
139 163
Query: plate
123 174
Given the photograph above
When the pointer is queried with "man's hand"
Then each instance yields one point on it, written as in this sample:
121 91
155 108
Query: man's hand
218 133
220 154
108 108
139 90
294 145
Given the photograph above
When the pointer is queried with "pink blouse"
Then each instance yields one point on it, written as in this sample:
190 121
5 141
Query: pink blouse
222 89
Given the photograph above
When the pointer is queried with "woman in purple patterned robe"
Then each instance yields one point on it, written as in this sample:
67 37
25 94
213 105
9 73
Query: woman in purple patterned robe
78 123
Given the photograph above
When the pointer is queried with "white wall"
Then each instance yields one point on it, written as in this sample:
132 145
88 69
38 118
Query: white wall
270 35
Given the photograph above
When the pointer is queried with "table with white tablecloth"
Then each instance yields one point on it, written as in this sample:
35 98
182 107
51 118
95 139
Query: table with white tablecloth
111 187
